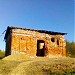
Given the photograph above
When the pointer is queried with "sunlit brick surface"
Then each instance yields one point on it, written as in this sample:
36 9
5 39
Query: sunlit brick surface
21 41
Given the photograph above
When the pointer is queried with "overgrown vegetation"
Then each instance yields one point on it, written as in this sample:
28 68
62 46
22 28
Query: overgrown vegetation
17 57
70 48
2 54
39 66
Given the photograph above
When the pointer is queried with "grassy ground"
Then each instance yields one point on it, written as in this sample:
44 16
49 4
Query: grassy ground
38 66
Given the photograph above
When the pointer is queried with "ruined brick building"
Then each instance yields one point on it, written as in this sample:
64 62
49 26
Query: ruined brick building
34 42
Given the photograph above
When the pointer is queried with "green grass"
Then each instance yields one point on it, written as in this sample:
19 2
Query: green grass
38 66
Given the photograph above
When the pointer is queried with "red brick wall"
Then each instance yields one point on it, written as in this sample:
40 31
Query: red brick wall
25 41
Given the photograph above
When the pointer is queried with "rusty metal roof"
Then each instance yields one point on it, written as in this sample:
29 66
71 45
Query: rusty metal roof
41 31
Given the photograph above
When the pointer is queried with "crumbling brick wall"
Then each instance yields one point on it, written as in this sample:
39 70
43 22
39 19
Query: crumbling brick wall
25 42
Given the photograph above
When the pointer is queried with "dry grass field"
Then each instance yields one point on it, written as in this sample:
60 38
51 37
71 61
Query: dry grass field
12 65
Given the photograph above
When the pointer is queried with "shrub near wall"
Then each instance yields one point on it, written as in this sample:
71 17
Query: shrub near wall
2 54
70 48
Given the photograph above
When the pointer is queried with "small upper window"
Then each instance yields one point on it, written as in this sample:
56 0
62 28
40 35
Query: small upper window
53 39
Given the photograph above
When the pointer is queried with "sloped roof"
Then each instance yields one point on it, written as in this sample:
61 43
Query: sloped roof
41 31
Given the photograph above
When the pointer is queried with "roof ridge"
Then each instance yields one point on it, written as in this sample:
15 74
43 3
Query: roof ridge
35 29
41 31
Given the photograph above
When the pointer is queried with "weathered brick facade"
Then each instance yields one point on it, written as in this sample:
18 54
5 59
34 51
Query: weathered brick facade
34 42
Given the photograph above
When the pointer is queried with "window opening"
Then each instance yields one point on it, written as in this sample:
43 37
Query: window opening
53 39
57 42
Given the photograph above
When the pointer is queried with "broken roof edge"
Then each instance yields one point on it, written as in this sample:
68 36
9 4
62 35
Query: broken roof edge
41 31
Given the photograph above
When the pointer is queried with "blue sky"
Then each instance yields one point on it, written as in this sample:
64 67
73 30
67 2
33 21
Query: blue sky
51 15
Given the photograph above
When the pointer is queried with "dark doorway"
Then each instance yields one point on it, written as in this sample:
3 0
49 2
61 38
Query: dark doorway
40 48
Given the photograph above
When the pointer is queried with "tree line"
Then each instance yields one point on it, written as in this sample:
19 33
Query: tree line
70 49
2 54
